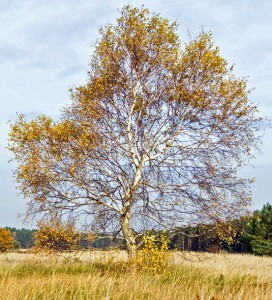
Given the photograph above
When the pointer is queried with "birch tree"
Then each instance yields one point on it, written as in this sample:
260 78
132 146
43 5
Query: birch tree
154 138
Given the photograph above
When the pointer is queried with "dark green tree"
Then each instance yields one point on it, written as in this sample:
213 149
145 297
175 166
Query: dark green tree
23 236
258 234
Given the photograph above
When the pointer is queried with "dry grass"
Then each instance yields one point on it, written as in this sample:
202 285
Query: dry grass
228 264
105 275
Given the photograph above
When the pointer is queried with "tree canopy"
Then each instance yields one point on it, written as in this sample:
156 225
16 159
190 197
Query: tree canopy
258 232
155 136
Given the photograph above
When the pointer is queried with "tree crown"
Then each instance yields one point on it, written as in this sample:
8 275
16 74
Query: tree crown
156 136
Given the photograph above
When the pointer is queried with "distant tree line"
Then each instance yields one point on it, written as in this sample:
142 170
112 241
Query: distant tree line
252 234
22 238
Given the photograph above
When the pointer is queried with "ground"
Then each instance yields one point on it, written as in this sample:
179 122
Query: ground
105 275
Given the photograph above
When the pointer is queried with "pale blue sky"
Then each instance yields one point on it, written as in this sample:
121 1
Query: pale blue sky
45 47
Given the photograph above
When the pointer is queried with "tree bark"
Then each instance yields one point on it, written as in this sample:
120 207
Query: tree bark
129 236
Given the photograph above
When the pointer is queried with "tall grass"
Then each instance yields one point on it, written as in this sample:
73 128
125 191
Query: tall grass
97 275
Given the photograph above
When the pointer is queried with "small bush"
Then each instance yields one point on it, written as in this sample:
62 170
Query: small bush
56 235
154 257
6 240
261 247
16 245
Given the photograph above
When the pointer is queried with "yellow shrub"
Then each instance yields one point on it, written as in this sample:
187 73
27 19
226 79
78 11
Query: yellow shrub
154 257
56 235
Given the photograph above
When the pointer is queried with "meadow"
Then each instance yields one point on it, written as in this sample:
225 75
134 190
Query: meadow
106 275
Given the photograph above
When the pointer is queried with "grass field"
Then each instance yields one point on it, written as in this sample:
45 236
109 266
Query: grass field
105 275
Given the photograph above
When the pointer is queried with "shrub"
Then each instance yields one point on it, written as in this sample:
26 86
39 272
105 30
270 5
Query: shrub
261 247
154 257
56 235
6 240
16 244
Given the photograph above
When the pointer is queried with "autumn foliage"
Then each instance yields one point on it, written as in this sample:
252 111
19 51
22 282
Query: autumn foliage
55 235
154 256
6 240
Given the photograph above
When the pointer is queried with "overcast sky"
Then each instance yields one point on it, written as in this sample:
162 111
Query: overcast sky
45 48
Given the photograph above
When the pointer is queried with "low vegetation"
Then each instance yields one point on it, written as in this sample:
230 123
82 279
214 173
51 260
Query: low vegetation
6 240
106 275
154 256
55 235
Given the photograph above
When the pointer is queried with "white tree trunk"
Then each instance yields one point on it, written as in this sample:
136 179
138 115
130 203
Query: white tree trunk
129 236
